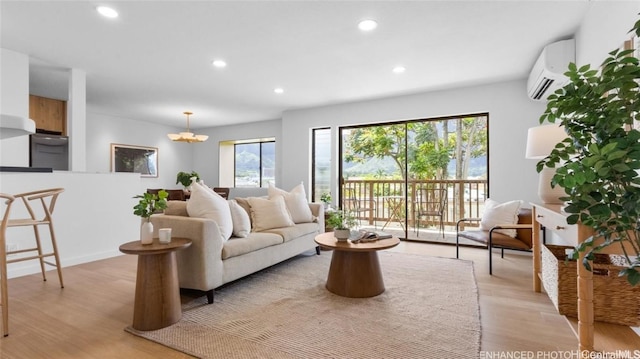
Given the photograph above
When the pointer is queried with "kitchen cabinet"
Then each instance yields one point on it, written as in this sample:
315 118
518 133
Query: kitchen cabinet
49 114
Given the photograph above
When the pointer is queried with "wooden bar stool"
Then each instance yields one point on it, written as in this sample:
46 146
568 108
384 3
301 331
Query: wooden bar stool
47 198
4 295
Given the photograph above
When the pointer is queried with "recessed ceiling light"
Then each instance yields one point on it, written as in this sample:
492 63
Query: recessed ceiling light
399 69
367 25
278 90
219 63
107 12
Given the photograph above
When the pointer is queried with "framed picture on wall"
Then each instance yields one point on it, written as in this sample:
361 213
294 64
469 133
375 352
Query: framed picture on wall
134 159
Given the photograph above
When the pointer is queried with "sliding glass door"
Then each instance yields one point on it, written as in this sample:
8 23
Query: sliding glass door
415 179
373 174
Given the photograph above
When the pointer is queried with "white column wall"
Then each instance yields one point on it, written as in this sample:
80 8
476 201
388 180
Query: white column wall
77 120
14 100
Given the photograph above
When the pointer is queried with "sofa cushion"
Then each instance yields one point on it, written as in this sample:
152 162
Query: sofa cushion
205 203
241 221
244 204
269 213
176 208
239 246
299 230
296 201
496 213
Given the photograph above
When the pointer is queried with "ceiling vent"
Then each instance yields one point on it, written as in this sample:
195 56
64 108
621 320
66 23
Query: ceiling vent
547 74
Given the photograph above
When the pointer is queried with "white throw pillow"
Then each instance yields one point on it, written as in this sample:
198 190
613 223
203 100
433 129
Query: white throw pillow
241 220
496 213
205 203
269 213
296 201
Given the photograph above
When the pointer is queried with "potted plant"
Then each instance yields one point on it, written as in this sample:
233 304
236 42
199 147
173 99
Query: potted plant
341 221
186 178
148 204
326 199
598 162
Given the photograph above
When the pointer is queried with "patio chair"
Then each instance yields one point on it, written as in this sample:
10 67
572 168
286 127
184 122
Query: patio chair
430 202
494 239
359 205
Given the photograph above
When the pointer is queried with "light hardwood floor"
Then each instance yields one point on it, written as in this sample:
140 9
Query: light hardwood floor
86 319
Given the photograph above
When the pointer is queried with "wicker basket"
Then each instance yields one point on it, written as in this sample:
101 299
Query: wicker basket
614 299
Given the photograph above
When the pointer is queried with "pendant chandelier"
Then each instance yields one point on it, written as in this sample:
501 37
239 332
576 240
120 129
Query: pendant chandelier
187 136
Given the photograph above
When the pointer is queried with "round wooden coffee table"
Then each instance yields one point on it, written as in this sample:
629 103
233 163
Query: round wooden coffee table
355 268
157 301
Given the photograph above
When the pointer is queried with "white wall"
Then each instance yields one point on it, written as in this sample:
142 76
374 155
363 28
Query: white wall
173 157
604 28
511 113
14 100
92 217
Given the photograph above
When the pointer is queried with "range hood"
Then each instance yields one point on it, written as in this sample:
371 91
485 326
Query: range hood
12 126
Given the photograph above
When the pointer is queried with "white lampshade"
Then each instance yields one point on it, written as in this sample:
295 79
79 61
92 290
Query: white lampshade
542 139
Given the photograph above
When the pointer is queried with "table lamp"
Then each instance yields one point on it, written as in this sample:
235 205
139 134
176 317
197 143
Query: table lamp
541 140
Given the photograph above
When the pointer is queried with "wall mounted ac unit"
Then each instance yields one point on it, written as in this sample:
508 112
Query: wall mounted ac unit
547 74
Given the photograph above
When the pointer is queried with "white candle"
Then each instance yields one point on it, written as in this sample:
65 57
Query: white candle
164 235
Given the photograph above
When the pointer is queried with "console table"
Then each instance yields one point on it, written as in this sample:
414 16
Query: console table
552 218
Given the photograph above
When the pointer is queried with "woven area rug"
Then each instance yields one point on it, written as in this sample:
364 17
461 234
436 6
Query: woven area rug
429 310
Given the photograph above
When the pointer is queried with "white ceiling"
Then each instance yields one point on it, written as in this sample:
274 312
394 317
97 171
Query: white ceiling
154 61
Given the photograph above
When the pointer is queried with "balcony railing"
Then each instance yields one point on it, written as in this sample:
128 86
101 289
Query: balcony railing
465 198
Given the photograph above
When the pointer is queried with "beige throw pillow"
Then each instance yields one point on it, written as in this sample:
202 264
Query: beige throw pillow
496 213
296 201
269 213
205 203
241 221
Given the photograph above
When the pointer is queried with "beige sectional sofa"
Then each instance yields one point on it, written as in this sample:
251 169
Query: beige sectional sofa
212 260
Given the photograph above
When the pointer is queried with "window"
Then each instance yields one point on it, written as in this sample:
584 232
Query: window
253 163
321 162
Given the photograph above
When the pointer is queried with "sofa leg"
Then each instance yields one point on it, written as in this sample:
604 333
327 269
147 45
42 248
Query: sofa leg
318 250
210 296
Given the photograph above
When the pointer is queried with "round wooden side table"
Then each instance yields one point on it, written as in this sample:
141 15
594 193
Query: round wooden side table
157 301
355 268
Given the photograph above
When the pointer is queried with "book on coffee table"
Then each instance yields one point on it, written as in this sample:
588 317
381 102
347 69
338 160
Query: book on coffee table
370 236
